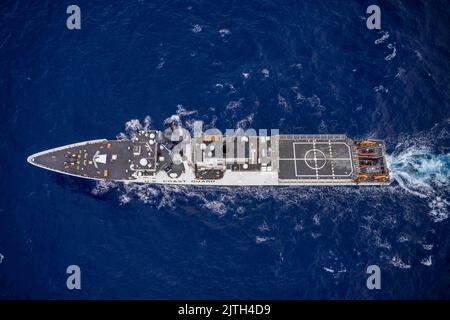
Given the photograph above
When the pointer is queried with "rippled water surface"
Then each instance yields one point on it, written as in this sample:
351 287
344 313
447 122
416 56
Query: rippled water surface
300 66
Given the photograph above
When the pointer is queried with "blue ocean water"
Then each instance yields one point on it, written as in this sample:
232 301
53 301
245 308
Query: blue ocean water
301 66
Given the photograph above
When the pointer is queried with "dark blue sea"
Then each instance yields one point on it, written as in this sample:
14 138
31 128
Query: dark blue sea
304 66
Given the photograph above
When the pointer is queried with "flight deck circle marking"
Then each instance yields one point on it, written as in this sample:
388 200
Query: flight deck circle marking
315 159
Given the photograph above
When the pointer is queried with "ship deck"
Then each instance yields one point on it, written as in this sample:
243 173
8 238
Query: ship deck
319 157
103 159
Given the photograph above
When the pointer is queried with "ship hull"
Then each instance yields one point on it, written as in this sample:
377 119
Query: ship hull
293 160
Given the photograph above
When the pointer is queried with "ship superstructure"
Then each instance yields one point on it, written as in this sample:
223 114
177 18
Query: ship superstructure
164 157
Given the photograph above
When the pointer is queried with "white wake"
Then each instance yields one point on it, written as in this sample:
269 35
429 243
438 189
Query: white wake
421 166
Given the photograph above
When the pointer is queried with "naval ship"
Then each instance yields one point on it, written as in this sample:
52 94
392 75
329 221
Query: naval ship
244 158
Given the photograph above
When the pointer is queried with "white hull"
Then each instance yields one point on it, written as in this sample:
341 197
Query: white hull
294 160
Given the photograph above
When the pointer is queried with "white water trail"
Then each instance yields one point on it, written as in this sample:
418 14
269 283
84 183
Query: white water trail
423 172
